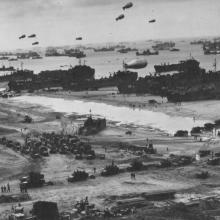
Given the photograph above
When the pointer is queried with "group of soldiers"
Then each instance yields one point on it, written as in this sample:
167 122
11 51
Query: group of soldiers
6 188
23 188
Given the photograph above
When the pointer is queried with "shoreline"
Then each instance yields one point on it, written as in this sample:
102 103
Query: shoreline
186 109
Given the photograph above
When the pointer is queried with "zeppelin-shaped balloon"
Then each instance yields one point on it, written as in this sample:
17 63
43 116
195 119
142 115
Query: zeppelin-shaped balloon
35 43
22 36
32 36
79 38
152 21
136 64
128 5
120 17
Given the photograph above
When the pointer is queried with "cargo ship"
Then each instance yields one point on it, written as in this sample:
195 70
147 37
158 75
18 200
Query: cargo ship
3 58
181 66
164 46
174 50
211 48
126 50
28 55
147 53
198 42
75 53
104 49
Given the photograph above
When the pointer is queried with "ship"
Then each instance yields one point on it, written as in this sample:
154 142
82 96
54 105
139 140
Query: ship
54 52
211 52
126 50
75 53
198 42
147 53
3 58
163 46
28 55
10 68
181 66
104 49
211 48
13 59
174 50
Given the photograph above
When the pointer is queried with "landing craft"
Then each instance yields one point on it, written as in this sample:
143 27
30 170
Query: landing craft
35 43
135 64
22 36
32 36
127 6
79 38
152 21
120 17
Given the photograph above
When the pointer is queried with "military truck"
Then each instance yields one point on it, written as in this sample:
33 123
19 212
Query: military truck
34 179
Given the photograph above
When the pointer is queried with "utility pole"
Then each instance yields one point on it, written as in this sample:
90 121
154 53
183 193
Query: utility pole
215 64
22 65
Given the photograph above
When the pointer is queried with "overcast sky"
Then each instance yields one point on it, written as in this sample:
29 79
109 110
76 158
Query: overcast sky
58 22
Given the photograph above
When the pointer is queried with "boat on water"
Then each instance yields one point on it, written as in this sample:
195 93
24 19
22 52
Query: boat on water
210 48
28 55
3 58
181 66
211 52
174 50
104 49
163 46
126 50
12 59
4 68
147 53
75 53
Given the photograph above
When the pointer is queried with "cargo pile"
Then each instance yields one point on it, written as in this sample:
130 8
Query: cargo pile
51 143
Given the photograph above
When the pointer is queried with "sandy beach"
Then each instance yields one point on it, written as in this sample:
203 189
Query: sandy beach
57 167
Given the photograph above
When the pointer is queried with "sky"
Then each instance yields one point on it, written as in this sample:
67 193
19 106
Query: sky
59 22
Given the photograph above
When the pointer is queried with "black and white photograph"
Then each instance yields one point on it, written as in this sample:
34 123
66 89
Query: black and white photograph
109 110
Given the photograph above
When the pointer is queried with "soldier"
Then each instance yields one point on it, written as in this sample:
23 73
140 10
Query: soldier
86 200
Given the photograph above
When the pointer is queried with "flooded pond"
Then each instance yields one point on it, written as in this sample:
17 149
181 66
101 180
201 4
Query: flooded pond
123 115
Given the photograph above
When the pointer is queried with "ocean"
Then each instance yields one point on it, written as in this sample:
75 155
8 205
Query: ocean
106 63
